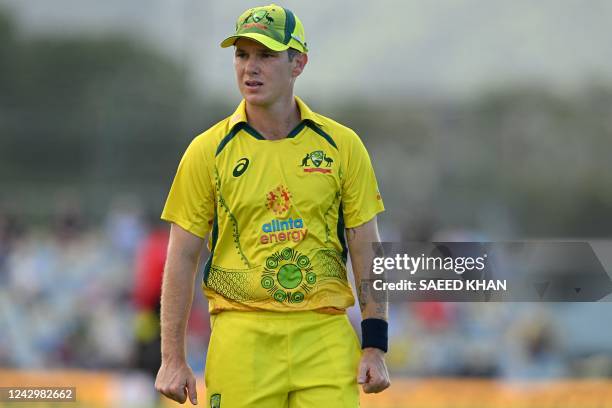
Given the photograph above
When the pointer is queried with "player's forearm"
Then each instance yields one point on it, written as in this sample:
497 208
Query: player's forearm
363 242
177 296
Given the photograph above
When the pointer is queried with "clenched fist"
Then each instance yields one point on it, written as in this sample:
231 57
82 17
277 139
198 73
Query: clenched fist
373 374
176 381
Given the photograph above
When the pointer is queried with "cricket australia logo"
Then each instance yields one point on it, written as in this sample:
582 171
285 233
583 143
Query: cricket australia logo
215 401
288 276
316 159
256 19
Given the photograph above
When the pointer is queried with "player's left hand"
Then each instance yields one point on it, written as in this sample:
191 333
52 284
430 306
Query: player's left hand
373 373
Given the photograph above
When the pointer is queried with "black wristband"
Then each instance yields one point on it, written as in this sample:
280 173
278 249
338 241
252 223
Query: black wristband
375 333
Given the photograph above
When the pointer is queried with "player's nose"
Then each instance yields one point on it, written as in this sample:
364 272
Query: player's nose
252 66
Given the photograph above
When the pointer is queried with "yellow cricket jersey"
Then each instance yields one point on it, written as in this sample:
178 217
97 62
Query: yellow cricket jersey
276 211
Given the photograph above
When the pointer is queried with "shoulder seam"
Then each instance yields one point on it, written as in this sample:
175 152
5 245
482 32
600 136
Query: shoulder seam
322 133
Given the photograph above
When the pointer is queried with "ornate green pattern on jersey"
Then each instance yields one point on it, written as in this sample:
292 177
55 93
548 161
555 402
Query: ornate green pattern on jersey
328 213
237 285
234 221
329 265
288 276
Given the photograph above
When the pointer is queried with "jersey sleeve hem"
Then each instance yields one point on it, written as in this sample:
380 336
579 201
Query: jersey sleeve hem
186 225
363 218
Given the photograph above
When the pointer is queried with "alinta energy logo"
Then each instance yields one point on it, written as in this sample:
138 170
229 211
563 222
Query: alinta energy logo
288 276
278 201
316 159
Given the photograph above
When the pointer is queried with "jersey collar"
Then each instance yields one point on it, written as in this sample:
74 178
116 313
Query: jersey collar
306 113
239 114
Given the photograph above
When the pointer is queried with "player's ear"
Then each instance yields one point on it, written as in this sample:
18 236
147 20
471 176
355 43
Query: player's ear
299 62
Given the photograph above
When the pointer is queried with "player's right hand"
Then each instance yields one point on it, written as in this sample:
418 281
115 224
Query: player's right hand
176 381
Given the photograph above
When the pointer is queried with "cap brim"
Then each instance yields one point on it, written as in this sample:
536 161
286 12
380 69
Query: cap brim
260 38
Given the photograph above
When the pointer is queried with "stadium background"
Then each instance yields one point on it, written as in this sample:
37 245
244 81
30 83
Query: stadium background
485 120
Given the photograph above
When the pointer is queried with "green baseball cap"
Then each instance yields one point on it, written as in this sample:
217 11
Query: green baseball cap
273 26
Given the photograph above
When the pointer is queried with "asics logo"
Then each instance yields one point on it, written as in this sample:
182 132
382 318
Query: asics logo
241 167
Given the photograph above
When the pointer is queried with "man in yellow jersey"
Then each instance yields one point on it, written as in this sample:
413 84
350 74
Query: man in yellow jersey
276 187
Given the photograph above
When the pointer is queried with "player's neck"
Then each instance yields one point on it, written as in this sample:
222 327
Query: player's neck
275 121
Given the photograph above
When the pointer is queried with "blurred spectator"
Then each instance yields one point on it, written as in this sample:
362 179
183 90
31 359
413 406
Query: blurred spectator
68 220
9 232
149 270
533 350
124 225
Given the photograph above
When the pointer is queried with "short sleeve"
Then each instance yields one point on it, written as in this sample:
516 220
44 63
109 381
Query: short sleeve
190 202
361 199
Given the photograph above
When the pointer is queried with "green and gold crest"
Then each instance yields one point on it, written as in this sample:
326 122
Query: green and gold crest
317 157
215 401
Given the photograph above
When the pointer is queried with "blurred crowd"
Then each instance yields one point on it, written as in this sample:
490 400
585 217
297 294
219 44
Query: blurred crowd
79 295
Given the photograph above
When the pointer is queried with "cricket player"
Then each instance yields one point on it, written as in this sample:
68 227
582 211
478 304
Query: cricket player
283 195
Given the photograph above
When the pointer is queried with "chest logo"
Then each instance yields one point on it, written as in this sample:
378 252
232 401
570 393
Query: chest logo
278 200
316 159
281 229
240 167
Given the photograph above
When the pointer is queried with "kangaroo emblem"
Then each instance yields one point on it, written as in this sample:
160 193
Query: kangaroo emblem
305 160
